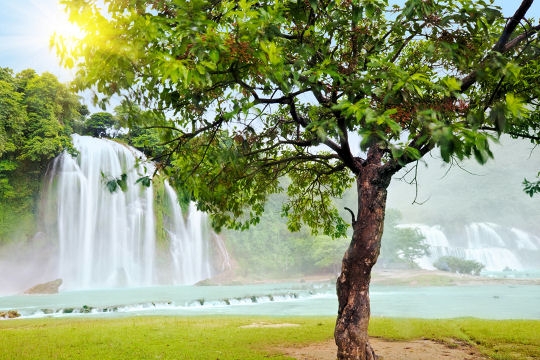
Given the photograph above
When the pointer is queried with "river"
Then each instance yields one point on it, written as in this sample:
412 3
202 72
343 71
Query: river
284 299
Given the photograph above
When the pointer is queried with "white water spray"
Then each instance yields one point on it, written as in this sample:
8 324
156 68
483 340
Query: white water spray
496 247
108 239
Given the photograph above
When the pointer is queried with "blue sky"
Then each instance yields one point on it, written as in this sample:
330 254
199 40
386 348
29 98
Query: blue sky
27 25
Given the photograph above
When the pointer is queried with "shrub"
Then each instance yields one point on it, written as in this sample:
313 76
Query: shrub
457 265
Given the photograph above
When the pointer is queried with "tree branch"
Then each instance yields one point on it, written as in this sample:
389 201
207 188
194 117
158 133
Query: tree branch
353 221
503 45
512 24
535 138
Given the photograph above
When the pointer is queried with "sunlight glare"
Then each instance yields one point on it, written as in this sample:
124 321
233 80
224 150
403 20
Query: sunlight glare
29 31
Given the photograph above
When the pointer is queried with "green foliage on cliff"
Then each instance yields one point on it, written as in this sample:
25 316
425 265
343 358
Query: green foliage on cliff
98 123
36 118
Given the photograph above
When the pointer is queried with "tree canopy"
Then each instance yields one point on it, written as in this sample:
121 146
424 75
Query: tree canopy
98 124
258 90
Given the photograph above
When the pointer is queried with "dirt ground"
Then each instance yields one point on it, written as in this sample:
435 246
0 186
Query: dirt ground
385 349
404 350
391 350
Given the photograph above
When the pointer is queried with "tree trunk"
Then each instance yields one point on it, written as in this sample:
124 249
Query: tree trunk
351 331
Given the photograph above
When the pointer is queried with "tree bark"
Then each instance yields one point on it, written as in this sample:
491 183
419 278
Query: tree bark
351 331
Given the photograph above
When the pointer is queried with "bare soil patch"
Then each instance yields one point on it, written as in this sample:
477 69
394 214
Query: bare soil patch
268 325
391 350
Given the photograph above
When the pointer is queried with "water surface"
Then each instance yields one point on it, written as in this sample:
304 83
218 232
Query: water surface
284 299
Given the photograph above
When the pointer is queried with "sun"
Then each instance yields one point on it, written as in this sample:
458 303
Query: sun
54 25
28 27
36 21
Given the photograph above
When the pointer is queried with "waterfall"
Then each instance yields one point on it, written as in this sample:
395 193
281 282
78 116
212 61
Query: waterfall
109 239
497 247
189 247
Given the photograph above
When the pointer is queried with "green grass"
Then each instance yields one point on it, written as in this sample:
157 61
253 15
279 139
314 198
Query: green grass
499 339
420 280
205 337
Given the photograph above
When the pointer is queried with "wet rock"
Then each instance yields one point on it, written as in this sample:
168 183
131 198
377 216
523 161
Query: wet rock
10 314
50 287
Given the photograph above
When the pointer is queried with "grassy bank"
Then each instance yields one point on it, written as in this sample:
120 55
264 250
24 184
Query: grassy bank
237 337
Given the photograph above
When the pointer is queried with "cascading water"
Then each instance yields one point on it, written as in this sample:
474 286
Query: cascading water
187 254
496 247
108 239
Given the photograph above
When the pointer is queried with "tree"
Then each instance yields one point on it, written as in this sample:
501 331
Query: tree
98 124
12 122
12 115
325 92
401 245
458 265
141 133
51 108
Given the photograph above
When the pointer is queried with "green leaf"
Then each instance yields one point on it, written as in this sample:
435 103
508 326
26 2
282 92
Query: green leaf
8 165
498 117
515 105
112 185
272 52
412 153
531 187
453 84
122 182
145 181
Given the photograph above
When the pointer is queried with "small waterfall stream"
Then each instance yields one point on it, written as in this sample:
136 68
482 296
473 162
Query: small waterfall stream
497 247
109 239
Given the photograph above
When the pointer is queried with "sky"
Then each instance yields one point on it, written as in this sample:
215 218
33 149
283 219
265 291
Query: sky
26 27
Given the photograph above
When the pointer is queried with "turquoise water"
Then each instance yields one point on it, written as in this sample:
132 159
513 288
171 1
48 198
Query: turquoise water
287 299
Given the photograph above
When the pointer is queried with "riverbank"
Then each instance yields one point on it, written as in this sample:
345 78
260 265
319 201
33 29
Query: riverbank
408 277
420 277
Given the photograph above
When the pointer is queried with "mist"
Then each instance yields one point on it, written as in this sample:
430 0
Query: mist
452 195
481 212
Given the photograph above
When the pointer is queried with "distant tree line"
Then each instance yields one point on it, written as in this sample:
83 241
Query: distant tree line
270 249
